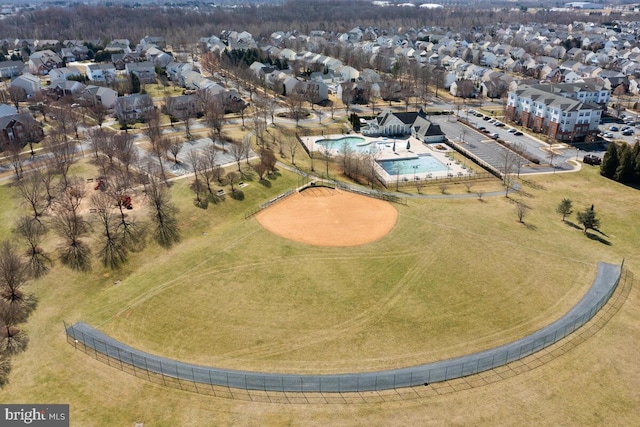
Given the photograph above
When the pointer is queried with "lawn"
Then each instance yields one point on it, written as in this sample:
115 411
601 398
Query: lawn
453 276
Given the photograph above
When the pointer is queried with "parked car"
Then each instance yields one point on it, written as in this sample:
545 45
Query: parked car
628 132
518 133
614 129
608 135
486 130
486 118
495 135
499 124
512 130
591 159
482 128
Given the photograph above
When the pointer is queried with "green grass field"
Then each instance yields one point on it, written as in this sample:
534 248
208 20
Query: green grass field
453 276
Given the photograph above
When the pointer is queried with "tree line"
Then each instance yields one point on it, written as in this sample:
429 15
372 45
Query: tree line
622 163
185 26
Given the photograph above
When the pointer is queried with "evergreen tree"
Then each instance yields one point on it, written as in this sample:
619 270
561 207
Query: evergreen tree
624 171
610 161
588 219
636 163
565 208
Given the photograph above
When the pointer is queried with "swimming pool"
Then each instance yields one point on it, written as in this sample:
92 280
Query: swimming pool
354 143
421 164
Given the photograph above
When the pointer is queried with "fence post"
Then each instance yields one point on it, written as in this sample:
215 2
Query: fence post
193 377
162 373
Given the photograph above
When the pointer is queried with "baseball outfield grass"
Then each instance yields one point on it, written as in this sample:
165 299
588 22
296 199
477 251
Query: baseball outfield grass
453 276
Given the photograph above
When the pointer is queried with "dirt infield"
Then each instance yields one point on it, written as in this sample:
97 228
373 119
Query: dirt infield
327 217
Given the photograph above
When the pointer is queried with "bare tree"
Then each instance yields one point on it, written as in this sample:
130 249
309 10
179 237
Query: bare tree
295 104
210 62
521 211
163 214
292 147
174 148
14 154
113 252
31 189
214 114
233 178
33 232
98 113
71 226
509 159
16 95
62 153
12 339
159 148
153 129
127 153
12 278
237 150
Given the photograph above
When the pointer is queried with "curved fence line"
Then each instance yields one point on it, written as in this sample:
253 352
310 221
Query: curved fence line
168 371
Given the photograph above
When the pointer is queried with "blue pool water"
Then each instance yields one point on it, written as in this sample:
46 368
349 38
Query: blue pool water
422 164
355 143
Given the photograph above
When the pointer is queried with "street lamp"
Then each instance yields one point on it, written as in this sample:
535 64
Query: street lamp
415 168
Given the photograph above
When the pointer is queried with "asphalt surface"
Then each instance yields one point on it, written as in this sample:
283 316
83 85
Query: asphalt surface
601 290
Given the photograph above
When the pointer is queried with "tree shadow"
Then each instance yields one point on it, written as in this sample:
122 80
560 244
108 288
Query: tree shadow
531 184
598 239
573 225
265 182
530 227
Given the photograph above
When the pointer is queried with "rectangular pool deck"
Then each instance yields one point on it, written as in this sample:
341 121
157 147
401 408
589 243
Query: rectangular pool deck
382 148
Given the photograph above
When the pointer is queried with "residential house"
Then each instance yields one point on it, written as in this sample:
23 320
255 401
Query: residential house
66 87
547 110
158 41
63 73
120 60
9 69
133 107
95 95
105 73
118 45
43 61
28 82
145 71
74 53
241 41
157 57
19 129
183 106
464 88
346 72
176 69
7 110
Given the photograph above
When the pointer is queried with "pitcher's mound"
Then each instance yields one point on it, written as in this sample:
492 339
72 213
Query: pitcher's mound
326 217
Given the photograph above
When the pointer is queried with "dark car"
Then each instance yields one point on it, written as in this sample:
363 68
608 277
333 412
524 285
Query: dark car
591 159
518 133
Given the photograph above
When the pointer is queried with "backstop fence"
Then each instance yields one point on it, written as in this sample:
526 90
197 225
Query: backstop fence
201 378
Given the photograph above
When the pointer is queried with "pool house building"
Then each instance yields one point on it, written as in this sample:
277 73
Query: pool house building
414 123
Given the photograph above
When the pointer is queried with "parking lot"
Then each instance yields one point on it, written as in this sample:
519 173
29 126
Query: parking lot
479 138
628 132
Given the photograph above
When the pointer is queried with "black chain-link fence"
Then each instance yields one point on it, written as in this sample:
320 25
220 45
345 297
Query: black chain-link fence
200 378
